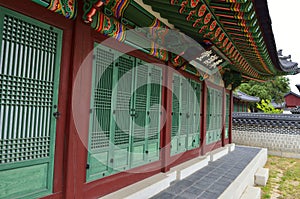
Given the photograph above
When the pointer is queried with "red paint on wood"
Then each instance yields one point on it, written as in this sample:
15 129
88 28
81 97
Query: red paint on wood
226 141
292 100
223 117
54 196
230 117
115 182
204 112
166 132
183 157
77 136
212 146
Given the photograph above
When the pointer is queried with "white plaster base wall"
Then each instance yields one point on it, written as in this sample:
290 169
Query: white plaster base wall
285 145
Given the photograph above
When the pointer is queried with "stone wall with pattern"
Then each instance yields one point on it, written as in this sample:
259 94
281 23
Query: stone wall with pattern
279 133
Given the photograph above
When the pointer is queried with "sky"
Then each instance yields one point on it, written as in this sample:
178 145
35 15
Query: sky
285 16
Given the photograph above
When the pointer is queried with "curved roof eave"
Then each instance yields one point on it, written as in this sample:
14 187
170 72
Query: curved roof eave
292 93
262 12
287 64
247 98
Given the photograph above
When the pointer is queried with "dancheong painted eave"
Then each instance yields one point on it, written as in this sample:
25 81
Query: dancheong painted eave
240 29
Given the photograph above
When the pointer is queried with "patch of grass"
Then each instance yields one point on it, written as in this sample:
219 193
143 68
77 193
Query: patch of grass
266 196
284 175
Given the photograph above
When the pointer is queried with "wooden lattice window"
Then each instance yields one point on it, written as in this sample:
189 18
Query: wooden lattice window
186 113
29 76
125 113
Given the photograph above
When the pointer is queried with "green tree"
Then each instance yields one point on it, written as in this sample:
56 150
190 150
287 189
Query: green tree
267 107
270 90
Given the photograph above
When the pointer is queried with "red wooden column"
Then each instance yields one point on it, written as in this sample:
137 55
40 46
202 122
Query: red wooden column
167 117
79 103
230 117
223 116
203 119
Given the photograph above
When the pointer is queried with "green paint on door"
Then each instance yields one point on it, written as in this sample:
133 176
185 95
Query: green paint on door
125 113
30 64
185 114
214 115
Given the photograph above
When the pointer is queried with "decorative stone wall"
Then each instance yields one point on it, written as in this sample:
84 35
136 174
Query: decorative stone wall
279 133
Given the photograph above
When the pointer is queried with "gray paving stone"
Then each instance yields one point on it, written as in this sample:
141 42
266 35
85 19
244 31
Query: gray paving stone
211 181
229 177
215 176
192 180
195 190
188 195
201 173
179 187
208 195
240 166
227 165
225 182
235 171
180 197
217 188
215 163
163 195
208 169
202 185
219 170
208 179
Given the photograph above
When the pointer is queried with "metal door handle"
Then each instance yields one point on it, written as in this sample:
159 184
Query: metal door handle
134 115
56 114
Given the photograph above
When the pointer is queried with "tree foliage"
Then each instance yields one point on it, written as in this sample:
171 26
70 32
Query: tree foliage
271 90
267 107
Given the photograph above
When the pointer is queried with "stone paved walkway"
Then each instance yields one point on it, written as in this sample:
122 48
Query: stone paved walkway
211 181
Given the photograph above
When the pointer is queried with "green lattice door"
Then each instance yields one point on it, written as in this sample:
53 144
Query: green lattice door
194 115
214 115
235 107
29 74
101 112
122 103
175 114
125 113
146 108
110 102
185 133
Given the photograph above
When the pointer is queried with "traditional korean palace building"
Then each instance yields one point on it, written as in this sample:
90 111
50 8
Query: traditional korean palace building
99 94
292 101
241 101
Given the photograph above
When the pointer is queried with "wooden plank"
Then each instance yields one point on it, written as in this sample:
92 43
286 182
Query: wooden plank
28 181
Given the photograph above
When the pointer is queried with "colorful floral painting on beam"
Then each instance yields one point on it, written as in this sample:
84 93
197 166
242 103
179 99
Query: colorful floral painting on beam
67 8
108 26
